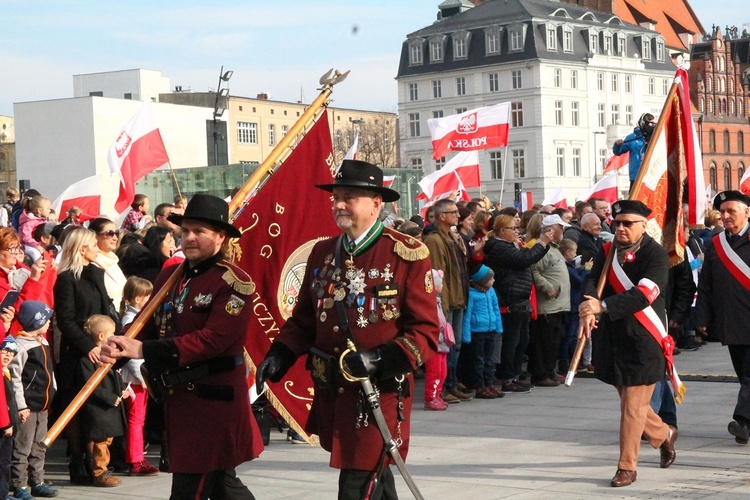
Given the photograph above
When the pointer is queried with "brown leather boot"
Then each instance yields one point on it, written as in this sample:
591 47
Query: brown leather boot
105 480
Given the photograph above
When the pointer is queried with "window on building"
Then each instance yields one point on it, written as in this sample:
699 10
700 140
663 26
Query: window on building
730 86
601 115
271 135
436 50
712 177
413 92
607 47
603 158
593 43
516 80
516 39
415 52
628 84
414 130
492 41
558 78
440 163
494 82
615 114
740 172
576 162
600 81
731 106
516 114
628 114
659 51
416 163
574 79
551 38
461 44
461 85
560 157
97 93
461 110
128 95
727 149
496 165
651 85
727 176
247 133
558 112
740 142
665 86
621 46
567 40
3 162
519 163
712 141
437 89
437 114
615 78
575 115
710 106
645 49
701 105
284 130
740 107
709 84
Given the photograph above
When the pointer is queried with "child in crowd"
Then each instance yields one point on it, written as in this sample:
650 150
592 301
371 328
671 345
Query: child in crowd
137 218
577 272
8 417
103 413
36 212
134 295
436 368
34 387
481 324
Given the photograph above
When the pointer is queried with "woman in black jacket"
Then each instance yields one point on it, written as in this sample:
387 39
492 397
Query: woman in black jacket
79 293
513 279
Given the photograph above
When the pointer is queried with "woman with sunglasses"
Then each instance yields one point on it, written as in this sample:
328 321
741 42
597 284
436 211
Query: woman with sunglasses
107 238
512 267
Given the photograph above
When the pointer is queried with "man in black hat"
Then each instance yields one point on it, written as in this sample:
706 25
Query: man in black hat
724 300
193 349
373 286
626 353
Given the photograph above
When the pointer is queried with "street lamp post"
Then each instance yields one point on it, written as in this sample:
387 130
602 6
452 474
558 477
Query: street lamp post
219 108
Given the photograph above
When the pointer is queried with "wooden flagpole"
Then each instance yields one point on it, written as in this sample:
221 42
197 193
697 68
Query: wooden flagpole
327 81
583 334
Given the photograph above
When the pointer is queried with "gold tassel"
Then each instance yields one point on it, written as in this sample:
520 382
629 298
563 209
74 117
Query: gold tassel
679 397
238 285
418 251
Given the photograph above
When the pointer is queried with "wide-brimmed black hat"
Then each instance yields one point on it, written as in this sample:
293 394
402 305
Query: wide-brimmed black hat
630 207
209 209
730 196
362 175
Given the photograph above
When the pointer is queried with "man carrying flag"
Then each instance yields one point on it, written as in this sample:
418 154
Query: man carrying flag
724 297
360 287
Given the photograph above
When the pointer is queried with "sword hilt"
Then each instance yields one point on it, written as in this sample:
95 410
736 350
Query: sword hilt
350 347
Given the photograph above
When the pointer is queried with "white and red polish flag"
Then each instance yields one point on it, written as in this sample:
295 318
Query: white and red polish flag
460 173
744 183
615 163
352 153
388 180
606 189
526 201
138 150
557 198
85 194
480 128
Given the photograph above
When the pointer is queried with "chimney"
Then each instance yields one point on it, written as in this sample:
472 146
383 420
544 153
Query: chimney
263 96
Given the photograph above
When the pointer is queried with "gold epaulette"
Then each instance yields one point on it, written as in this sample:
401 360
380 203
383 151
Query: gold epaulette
407 247
239 285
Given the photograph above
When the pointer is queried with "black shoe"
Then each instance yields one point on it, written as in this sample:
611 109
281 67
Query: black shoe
515 388
739 431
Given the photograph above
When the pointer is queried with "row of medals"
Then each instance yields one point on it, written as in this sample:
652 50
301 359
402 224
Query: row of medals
328 280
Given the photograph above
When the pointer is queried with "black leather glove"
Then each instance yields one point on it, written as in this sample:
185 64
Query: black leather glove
364 363
266 369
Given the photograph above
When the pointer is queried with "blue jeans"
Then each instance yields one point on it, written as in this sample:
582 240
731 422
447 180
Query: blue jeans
456 319
484 368
663 404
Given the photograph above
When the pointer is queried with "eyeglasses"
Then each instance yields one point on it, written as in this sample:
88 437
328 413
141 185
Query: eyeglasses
625 223
109 234
454 212
16 249
512 228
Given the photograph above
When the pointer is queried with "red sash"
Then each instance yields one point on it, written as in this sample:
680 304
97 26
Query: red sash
731 260
649 319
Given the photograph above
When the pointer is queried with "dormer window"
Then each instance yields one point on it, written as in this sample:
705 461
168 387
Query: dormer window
567 33
551 37
645 48
415 52
621 45
492 40
593 42
607 43
517 36
659 50
437 48
461 44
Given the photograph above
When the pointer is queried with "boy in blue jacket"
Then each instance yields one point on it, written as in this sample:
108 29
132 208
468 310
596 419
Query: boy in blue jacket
481 324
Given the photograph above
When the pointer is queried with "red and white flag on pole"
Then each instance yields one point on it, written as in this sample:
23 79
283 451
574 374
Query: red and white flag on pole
460 173
480 128
388 180
352 153
606 189
526 201
696 183
138 150
85 194
615 163
557 198
744 184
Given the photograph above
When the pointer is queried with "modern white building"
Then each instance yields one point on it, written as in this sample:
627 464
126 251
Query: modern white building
577 80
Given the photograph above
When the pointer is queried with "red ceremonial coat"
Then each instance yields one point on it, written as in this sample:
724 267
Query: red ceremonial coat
205 433
397 262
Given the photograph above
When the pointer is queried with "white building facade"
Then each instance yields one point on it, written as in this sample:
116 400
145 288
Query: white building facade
576 79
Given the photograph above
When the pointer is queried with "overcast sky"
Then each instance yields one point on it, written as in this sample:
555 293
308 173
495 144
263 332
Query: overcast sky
278 47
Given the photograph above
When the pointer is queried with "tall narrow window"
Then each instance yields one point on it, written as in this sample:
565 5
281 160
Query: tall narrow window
516 79
437 89
574 114
493 82
558 112
496 165
576 162
414 130
519 163
413 92
574 79
271 135
558 78
460 85
601 115
516 114
560 157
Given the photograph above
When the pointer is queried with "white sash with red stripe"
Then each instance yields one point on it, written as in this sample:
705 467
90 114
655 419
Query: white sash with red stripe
731 260
649 319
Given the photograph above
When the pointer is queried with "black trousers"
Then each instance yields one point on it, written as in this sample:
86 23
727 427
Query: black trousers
740 355
547 331
6 450
358 485
216 485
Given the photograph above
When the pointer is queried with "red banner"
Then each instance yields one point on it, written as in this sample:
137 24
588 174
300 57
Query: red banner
279 227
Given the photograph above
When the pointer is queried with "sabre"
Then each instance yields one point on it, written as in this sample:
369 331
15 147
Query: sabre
391 447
